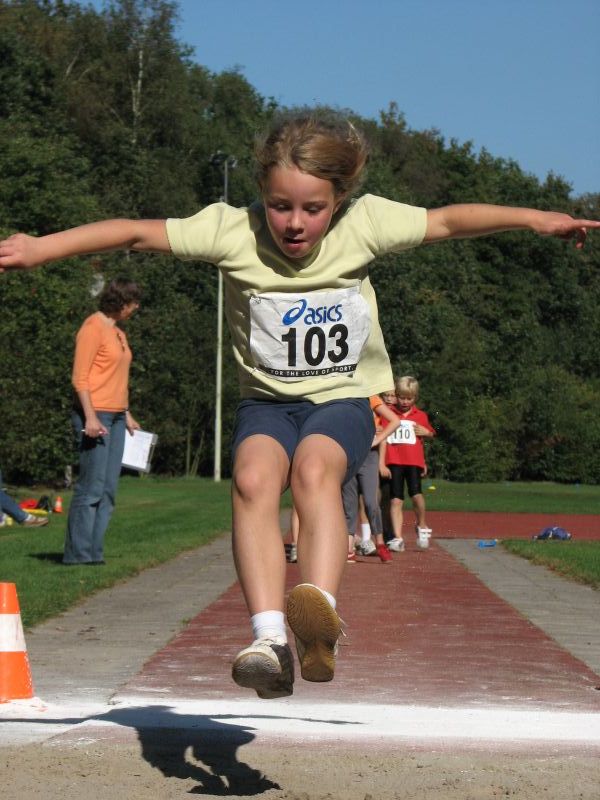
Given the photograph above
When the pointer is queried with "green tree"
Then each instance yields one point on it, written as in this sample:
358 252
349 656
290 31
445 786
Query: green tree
104 113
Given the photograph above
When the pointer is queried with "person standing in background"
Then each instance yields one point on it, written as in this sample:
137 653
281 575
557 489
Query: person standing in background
402 459
389 398
100 418
366 481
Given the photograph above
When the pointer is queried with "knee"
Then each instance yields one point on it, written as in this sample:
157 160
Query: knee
310 474
250 483
396 501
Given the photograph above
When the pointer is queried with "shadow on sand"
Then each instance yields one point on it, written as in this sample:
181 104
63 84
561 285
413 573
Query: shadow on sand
197 747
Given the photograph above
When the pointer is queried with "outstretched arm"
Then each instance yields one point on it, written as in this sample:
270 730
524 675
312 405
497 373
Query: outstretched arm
21 251
469 220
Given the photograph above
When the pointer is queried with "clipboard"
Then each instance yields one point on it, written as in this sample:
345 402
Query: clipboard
138 450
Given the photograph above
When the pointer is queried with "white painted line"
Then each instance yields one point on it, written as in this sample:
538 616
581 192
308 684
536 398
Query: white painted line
288 719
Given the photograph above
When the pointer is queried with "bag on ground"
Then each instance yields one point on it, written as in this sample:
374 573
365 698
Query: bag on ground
553 532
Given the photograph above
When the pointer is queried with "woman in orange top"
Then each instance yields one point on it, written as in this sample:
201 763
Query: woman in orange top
100 417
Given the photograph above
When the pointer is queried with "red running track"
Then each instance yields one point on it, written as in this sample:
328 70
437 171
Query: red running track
422 630
489 525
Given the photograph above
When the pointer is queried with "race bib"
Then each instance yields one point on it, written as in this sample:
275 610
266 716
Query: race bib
316 334
404 434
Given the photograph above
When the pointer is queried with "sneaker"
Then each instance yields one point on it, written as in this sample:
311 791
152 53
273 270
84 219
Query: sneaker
423 537
266 666
367 548
293 555
317 628
32 521
384 554
351 559
396 545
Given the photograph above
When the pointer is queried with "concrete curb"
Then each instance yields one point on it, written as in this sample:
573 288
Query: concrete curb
566 611
92 649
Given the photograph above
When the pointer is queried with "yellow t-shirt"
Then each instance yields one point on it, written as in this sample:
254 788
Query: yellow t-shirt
302 328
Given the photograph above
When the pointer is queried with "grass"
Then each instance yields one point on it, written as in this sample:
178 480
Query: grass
507 497
579 561
155 520
158 518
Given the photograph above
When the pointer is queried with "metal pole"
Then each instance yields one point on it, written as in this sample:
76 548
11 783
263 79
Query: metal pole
219 365
219 381
227 161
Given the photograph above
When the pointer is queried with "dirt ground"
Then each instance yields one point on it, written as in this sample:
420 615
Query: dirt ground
157 768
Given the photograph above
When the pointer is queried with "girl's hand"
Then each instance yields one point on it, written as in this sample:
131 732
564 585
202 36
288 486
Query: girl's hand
385 472
131 424
553 223
20 251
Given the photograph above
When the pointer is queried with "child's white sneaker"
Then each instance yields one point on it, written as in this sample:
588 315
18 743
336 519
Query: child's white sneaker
396 545
366 548
423 537
266 666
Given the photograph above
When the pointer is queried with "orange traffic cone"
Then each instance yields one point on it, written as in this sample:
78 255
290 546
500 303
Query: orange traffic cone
15 675
58 505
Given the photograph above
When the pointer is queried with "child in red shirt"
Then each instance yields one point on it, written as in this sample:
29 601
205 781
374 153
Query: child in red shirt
402 459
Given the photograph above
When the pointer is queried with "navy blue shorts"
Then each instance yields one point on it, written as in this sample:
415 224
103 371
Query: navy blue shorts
348 422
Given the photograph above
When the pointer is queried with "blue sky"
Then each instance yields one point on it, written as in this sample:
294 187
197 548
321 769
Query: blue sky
518 77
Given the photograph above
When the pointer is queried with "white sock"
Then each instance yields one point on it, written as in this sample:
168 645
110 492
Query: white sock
269 624
330 598
365 531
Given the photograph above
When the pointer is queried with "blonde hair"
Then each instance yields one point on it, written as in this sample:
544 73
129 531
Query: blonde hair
407 385
319 142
